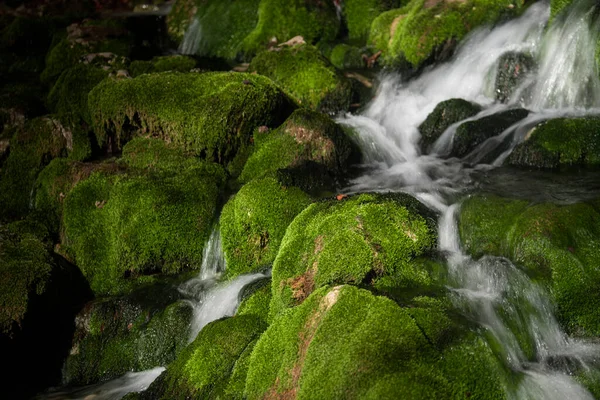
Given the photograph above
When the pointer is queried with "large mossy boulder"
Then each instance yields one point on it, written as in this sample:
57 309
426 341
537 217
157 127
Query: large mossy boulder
254 221
136 332
207 114
306 75
561 142
512 70
145 219
356 240
178 63
38 290
556 245
345 342
214 365
257 303
425 31
446 113
359 14
471 134
307 140
344 56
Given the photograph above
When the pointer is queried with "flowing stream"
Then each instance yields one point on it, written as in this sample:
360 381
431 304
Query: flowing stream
491 290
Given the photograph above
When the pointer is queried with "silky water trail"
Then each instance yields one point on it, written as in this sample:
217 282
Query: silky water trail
491 291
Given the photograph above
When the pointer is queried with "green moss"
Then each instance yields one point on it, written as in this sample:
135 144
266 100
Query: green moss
307 75
26 266
557 6
177 63
557 245
139 222
285 19
210 114
347 343
419 30
360 14
125 334
355 241
306 136
257 304
208 365
344 56
445 114
559 143
31 148
254 221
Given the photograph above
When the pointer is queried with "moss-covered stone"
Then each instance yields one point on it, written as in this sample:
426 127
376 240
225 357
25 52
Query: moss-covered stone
308 76
471 134
344 56
446 113
177 63
512 70
344 342
214 365
126 224
257 303
559 143
113 336
429 30
557 245
356 240
254 221
359 14
209 114
306 136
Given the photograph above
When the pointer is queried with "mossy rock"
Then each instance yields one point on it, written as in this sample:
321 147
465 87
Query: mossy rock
446 113
178 63
344 56
179 18
426 31
345 342
209 114
309 77
471 134
560 142
306 136
513 68
214 365
146 328
121 226
285 19
254 221
556 245
257 303
355 240
31 148
359 14
37 291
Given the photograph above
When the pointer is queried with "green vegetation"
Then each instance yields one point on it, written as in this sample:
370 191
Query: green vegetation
355 240
559 143
257 304
177 63
305 74
344 342
557 245
179 18
254 221
360 14
209 114
344 56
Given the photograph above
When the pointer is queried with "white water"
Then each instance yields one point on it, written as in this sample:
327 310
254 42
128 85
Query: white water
191 39
491 290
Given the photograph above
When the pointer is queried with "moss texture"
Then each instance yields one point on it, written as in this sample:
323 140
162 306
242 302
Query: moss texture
356 240
557 245
344 56
359 14
446 113
305 137
428 30
130 333
257 303
213 364
344 342
176 63
560 143
209 114
254 221
141 220
308 76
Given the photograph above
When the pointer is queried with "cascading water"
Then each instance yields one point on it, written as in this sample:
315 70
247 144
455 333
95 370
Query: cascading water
516 312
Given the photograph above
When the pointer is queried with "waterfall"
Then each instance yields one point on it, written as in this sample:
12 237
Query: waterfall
191 38
491 290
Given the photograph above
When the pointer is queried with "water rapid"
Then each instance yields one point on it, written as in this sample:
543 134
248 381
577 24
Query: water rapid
515 312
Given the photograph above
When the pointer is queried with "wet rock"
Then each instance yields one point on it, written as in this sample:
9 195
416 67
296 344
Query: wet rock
560 142
344 56
513 68
471 134
445 114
